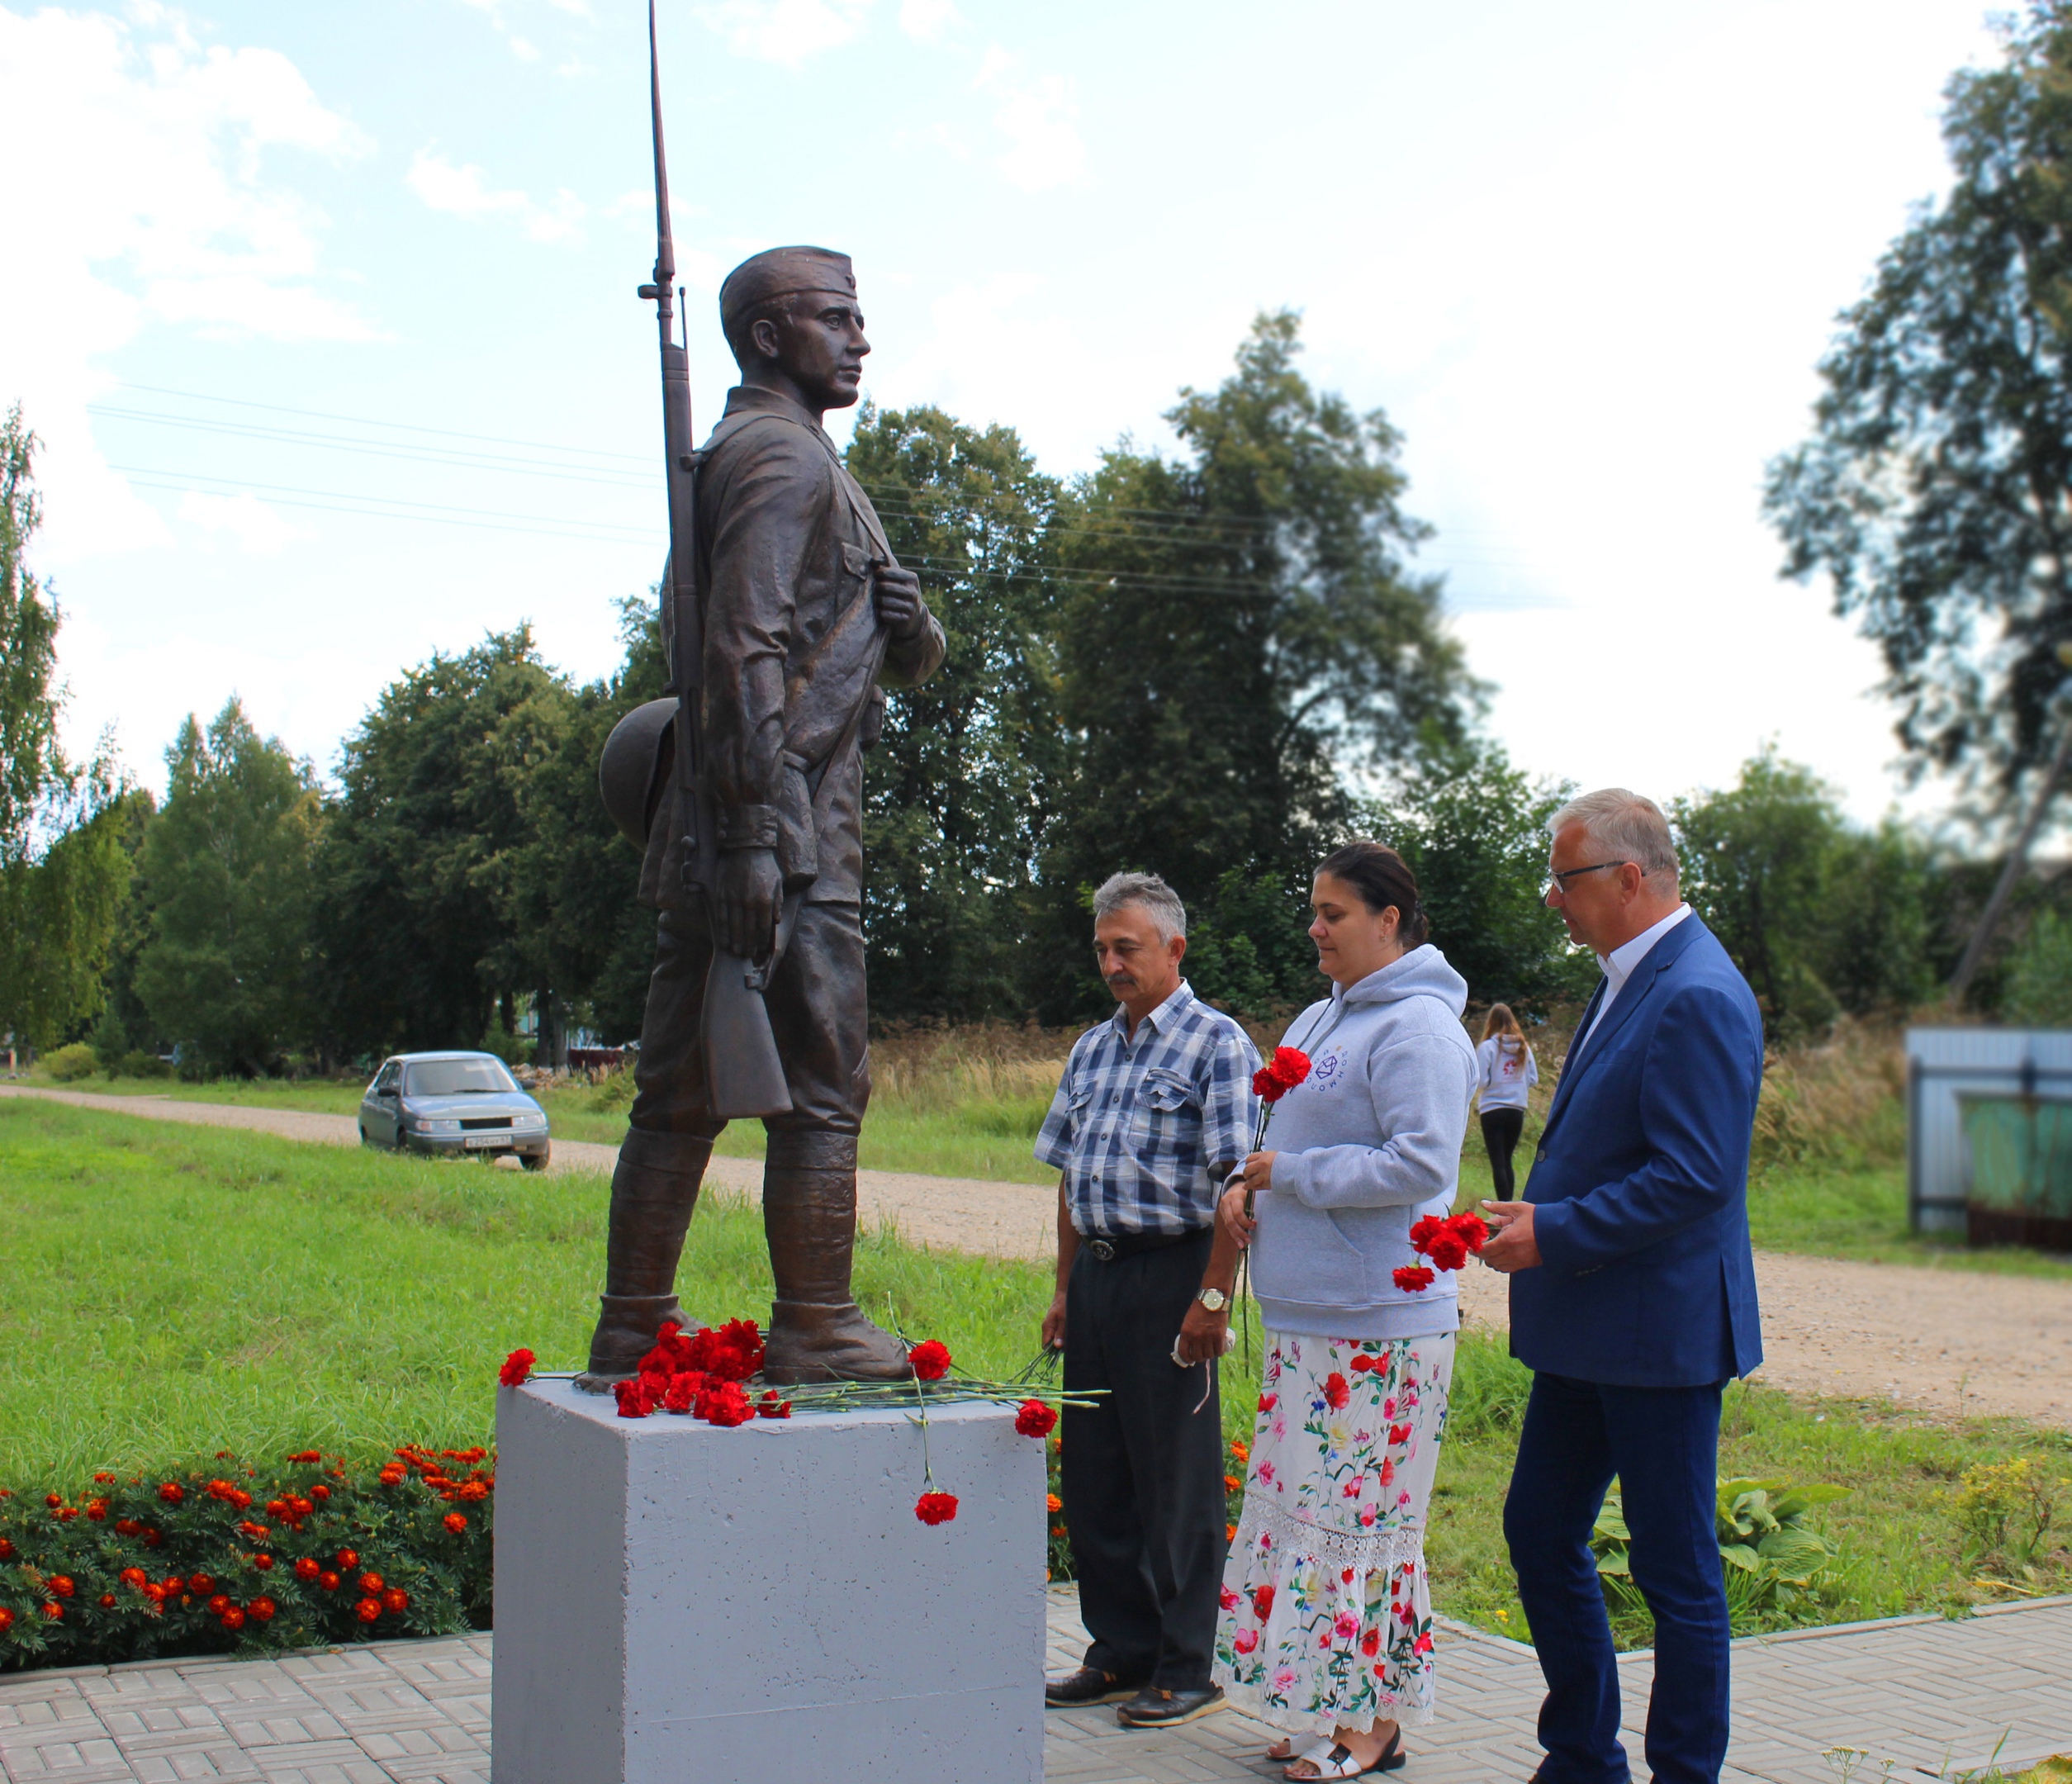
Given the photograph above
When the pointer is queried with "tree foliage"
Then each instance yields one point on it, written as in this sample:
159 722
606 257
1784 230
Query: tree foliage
960 787
1234 623
63 867
1821 917
227 870
1936 490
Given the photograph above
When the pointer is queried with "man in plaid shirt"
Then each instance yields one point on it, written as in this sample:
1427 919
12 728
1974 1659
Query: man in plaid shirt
1154 1111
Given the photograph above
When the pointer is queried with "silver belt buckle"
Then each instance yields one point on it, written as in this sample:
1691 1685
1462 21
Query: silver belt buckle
1102 1249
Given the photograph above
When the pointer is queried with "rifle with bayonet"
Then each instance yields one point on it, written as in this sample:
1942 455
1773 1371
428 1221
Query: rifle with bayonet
744 1075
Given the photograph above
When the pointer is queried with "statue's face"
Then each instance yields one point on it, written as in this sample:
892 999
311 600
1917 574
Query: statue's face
819 345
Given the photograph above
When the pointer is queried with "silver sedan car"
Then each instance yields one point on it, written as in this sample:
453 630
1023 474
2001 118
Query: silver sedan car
452 1105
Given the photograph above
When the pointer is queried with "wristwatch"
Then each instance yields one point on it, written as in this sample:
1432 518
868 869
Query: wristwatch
1214 1299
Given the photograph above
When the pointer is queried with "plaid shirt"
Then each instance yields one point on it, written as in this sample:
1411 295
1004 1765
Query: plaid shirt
1135 1126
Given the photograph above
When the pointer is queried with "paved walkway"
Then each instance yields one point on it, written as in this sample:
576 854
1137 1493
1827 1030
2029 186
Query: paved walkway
1933 1698
1948 1343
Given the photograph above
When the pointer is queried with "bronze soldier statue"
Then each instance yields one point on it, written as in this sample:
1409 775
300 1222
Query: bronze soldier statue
805 614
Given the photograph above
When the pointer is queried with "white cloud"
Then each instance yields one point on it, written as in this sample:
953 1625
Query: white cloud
155 199
929 20
1037 117
461 190
580 8
525 51
784 31
256 528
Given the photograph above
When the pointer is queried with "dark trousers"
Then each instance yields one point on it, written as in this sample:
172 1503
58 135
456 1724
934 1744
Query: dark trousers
1501 1129
1663 1444
817 1011
1142 1470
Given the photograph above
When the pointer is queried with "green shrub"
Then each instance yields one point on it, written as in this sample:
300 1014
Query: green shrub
137 1064
1777 1565
211 1560
2004 1509
69 1064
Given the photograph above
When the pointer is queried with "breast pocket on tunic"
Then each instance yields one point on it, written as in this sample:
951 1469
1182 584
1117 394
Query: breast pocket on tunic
1167 1113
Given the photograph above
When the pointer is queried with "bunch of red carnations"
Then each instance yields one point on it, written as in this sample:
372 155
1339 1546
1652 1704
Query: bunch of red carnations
701 1374
220 1557
1447 1243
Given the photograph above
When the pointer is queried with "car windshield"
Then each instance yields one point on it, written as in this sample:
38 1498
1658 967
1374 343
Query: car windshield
457 1077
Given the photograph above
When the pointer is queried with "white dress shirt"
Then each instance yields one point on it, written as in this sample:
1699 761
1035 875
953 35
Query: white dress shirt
1620 963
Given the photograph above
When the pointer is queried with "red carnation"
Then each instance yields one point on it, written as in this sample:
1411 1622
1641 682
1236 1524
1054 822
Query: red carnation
725 1403
1426 1231
367 1610
1035 1419
1447 1253
633 1398
935 1507
1280 1074
517 1368
1414 1279
1471 1229
772 1404
931 1360
1337 1392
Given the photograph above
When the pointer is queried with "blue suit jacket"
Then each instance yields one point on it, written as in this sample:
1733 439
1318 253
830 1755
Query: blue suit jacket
1640 1184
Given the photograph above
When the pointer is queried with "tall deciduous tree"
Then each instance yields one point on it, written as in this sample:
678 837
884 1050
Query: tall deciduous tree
419 883
227 871
1937 488
1236 622
961 785
63 867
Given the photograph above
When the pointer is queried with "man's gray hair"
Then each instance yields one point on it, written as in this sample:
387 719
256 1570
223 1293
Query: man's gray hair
1159 902
1624 826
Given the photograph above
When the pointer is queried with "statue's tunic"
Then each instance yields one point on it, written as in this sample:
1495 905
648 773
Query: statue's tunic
795 656
793 651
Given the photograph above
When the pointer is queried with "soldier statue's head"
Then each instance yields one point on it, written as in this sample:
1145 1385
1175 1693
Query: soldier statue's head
790 315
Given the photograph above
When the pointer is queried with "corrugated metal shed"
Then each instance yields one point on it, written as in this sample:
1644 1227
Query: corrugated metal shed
1942 1062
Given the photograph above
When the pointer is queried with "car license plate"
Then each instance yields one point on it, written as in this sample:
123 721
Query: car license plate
487 1139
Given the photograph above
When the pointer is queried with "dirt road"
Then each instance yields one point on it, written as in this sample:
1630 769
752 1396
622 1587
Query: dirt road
1946 1343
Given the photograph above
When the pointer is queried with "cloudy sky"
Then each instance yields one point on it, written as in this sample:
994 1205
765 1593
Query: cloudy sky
325 313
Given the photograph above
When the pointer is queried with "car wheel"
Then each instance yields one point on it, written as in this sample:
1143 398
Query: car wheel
365 1140
536 1160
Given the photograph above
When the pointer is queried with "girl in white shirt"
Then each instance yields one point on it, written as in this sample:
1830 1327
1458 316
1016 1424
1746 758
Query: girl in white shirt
1506 1073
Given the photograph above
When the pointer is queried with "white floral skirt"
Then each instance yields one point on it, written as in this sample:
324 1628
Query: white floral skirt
1327 1620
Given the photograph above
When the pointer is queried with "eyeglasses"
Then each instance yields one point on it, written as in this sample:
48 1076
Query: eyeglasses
1558 882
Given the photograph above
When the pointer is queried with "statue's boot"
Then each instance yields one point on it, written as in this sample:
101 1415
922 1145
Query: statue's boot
654 1190
817 1331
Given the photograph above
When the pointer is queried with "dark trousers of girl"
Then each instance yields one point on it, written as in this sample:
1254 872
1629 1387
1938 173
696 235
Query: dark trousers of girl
1501 1129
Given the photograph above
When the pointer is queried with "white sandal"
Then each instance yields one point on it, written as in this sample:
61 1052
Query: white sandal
1334 1761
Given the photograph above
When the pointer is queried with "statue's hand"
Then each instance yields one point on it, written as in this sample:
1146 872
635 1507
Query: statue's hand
900 607
751 891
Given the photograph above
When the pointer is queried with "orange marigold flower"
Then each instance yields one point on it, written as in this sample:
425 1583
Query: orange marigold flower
234 1618
6 1620
367 1610
172 1493
263 1608
62 1585
474 1489
395 1599
370 1583
454 1521
1052 1503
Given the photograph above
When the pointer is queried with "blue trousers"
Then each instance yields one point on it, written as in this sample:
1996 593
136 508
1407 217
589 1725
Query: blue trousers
1663 1445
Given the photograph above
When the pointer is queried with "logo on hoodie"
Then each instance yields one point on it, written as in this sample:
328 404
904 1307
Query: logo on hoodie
1326 1073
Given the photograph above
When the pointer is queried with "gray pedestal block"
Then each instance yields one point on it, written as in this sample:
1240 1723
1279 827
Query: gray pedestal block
677 1603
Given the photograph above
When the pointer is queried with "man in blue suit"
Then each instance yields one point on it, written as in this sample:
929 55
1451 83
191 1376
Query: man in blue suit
1633 1298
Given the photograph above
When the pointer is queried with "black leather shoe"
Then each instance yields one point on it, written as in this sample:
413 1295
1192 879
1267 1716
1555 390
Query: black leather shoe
1153 1707
1084 1685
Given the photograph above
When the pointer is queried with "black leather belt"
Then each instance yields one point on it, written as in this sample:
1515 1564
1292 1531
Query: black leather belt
1128 1245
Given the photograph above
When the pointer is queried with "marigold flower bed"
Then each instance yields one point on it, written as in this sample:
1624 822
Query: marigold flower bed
227 1557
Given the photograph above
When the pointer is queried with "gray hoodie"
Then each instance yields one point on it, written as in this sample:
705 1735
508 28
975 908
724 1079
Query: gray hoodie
1368 1143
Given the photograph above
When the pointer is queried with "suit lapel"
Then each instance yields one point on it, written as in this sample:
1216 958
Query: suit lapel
1583 1054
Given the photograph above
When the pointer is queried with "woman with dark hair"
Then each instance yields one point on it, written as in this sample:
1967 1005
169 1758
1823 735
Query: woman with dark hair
1505 1072
1326 1622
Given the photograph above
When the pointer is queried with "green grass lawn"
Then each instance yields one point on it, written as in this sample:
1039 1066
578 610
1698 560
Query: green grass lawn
973 1136
171 1292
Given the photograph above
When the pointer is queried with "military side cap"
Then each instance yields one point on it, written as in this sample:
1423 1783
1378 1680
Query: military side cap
778 273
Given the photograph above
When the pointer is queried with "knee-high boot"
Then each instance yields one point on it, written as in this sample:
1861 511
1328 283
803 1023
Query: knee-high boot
654 1189
817 1331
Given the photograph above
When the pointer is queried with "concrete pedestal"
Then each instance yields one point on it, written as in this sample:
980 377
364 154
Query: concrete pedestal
678 1603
